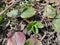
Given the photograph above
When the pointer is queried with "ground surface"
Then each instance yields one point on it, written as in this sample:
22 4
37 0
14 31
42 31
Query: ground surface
51 36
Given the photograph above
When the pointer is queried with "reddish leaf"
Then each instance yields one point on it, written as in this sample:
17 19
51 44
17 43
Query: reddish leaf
18 38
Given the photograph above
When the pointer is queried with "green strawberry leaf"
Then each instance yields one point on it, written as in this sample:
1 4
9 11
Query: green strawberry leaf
56 25
13 13
39 25
33 26
50 11
29 12
35 29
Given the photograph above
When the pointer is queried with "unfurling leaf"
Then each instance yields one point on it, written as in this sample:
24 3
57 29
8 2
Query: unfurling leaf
33 26
35 29
30 25
29 12
18 38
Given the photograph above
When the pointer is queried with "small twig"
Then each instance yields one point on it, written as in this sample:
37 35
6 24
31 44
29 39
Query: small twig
26 20
43 36
8 23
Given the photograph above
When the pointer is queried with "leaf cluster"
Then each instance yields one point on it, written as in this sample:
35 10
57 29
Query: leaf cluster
33 26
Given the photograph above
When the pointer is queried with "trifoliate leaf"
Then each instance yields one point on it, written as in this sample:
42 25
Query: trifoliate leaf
29 12
56 25
13 13
33 26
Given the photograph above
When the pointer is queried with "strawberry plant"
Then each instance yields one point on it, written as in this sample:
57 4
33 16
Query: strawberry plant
29 12
33 26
